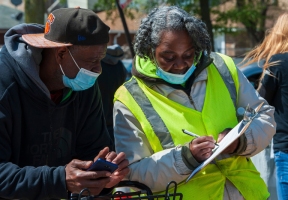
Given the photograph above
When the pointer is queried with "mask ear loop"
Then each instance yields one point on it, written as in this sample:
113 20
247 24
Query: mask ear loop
62 69
73 59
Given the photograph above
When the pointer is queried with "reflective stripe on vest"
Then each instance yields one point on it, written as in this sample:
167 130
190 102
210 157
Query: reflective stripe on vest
151 115
231 84
217 114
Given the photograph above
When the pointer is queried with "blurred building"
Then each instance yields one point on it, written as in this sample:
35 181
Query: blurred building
117 33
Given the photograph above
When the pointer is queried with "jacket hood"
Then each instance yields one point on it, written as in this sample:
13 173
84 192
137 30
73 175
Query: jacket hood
27 57
146 67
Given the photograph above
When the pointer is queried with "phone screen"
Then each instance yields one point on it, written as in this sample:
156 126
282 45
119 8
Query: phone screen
103 165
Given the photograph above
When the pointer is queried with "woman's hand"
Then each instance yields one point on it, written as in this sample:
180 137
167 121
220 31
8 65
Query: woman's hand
201 148
232 147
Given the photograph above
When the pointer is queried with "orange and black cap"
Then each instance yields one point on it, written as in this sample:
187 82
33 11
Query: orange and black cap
70 26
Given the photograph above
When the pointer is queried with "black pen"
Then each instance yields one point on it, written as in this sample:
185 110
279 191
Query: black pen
194 135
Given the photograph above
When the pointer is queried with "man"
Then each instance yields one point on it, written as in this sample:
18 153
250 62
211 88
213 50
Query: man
113 76
51 120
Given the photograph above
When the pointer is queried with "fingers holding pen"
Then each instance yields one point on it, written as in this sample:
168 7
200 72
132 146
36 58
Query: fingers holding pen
201 147
204 142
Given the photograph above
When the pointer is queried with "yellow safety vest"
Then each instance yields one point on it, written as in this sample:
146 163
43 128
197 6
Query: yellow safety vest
217 114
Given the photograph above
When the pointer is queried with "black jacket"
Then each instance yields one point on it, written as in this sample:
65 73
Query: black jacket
275 90
37 137
112 77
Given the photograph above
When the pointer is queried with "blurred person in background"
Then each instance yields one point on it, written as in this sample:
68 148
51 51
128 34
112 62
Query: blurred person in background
274 88
112 77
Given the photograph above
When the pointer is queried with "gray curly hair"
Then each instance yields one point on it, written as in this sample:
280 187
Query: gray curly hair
168 18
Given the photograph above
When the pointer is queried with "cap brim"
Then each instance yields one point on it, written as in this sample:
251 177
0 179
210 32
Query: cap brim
38 40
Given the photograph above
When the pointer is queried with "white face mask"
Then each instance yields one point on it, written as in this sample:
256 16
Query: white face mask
177 78
83 80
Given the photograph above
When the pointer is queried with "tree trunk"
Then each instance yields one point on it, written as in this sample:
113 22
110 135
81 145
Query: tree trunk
34 11
205 14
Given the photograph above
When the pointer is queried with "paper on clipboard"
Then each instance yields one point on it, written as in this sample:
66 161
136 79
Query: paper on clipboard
235 133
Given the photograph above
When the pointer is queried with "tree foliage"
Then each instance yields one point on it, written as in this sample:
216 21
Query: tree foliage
251 14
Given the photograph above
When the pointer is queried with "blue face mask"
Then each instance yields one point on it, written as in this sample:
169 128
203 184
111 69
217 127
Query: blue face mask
83 80
177 78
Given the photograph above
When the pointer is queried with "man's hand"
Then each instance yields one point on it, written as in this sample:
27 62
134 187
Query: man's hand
122 170
201 148
232 147
120 160
77 178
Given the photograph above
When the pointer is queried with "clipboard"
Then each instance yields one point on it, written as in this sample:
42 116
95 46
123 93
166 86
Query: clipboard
235 133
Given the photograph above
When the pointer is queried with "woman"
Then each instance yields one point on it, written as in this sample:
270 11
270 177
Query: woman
179 84
274 87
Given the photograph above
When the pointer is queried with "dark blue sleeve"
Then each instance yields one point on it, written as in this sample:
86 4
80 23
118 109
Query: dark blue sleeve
32 183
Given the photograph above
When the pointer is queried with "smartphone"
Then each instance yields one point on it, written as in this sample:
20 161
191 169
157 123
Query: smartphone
103 165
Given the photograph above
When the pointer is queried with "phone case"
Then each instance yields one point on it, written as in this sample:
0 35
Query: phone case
102 165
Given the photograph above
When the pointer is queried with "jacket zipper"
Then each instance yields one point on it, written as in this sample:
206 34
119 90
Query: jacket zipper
191 101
